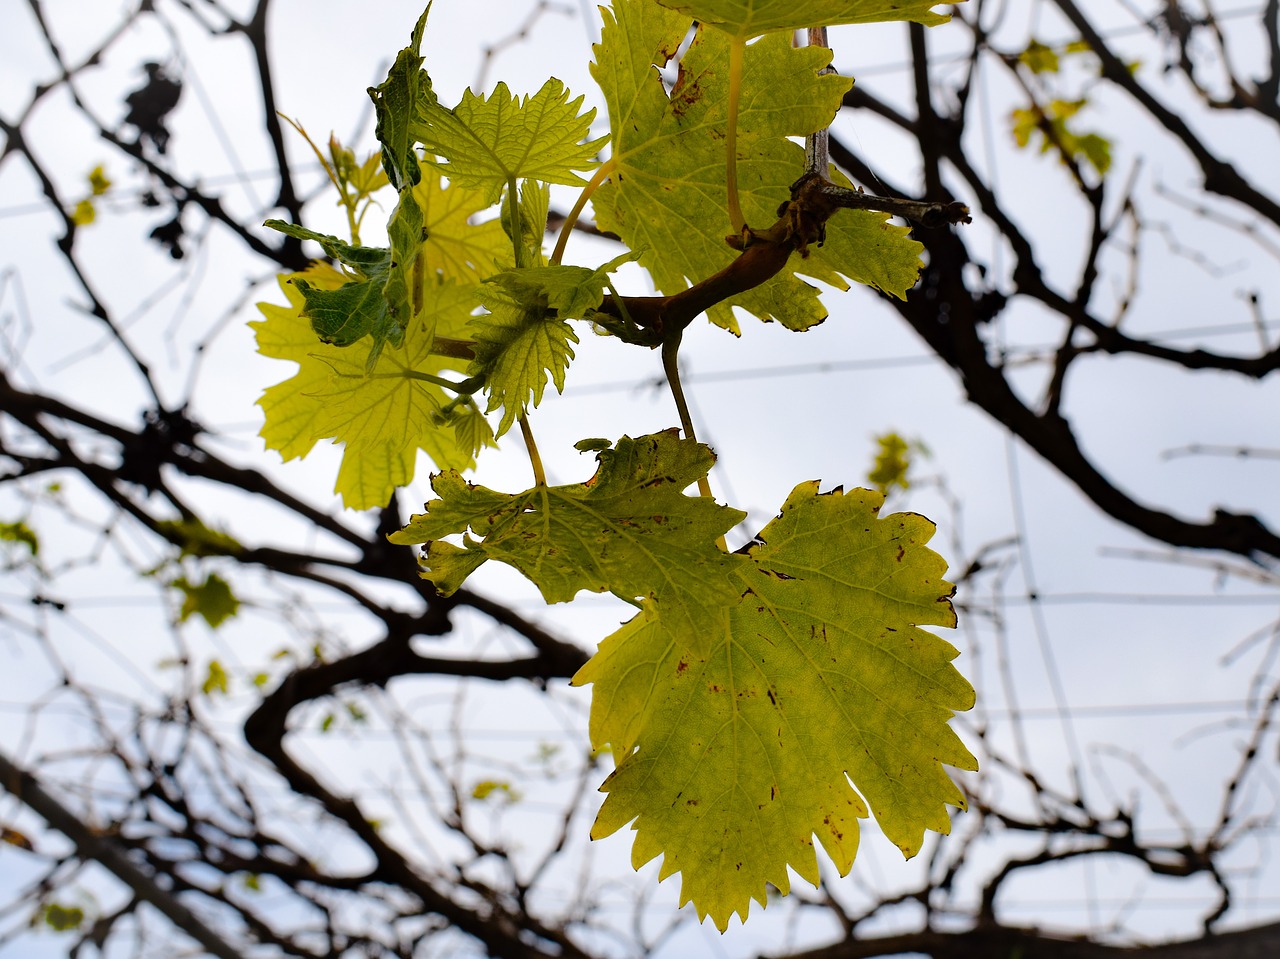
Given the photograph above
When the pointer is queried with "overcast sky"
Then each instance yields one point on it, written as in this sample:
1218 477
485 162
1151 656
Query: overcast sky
779 408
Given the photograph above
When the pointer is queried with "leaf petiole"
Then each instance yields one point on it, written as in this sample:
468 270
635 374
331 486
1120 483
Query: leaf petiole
517 222
539 474
571 220
671 366
466 388
736 51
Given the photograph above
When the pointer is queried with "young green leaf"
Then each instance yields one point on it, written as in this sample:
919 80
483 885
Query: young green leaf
61 918
405 92
731 760
216 679
20 532
212 599
383 416
196 539
524 335
517 344
893 463
1051 122
378 303
629 530
751 18
487 143
666 197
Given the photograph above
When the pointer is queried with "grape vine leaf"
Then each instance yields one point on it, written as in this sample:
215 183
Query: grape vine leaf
667 193
488 143
212 599
20 532
377 302
630 530
395 101
432 226
730 761
455 245
751 18
383 415
525 336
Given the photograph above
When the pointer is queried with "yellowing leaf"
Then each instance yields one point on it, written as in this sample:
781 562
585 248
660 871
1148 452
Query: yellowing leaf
61 918
1039 58
629 530
15 838
196 539
216 680
383 416
1050 122
99 183
20 532
893 462
212 599
84 213
730 761
455 248
488 143
750 18
495 789
667 195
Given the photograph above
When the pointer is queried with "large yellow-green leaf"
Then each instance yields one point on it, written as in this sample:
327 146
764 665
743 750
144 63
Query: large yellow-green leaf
490 142
667 196
732 759
383 415
630 530
456 247
750 18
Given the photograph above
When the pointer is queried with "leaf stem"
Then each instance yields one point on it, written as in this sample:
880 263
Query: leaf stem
671 366
570 221
466 388
513 217
539 474
736 51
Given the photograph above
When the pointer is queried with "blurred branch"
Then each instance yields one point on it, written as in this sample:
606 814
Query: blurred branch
95 847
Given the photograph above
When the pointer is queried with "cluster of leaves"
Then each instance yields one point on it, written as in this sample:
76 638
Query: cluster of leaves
1050 120
758 698
892 469
85 212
